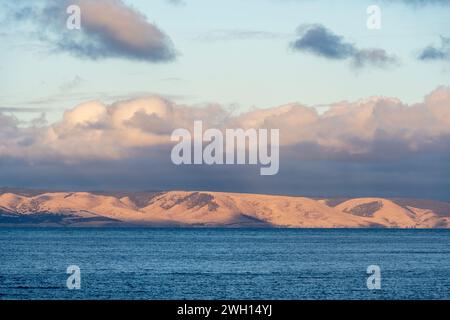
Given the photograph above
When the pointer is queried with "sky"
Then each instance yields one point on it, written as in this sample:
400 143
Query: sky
362 111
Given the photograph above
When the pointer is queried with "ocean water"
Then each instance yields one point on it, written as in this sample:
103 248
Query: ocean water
223 263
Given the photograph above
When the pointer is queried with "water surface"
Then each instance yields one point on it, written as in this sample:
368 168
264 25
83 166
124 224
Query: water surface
150 263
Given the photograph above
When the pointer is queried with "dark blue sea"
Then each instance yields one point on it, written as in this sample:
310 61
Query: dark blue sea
223 263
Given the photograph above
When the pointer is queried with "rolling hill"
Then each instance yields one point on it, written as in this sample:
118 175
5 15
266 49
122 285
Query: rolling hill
214 209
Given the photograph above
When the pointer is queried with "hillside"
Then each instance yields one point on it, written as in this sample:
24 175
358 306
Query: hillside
183 208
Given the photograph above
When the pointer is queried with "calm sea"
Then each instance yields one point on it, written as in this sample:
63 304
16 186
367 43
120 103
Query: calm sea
224 263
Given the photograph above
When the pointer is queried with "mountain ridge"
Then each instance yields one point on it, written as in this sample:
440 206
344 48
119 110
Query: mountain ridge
24 207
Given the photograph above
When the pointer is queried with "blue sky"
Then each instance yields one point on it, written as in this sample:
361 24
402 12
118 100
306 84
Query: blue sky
215 64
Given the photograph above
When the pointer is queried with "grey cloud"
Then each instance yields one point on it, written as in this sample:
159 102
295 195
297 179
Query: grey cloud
318 40
151 123
176 2
375 57
23 109
72 84
437 53
109 29
419 176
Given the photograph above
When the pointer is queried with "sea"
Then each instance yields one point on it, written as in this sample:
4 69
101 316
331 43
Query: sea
220 263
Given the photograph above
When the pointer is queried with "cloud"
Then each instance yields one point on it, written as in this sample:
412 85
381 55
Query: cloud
109 29
436 53
23 109
377 146
97 131
318 40
177 2
72 84
229 35
374 56
350 130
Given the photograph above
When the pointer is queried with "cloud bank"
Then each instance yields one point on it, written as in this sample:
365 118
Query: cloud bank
373 127
109 29
373 147
318 40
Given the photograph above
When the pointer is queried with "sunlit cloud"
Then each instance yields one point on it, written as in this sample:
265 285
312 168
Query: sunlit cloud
109 29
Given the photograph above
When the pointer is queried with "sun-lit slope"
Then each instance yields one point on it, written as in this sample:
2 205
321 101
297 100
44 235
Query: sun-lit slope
79 203
196 208
234 208
388 213
290 211
9 202
220 209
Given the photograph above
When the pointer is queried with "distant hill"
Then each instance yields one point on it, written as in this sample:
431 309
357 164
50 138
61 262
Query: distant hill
20 207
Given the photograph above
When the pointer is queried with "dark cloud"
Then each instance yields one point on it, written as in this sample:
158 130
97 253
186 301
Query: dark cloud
437 53
318 40
418 176
109 29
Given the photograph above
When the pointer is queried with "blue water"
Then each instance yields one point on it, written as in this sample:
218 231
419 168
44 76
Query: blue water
224 263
